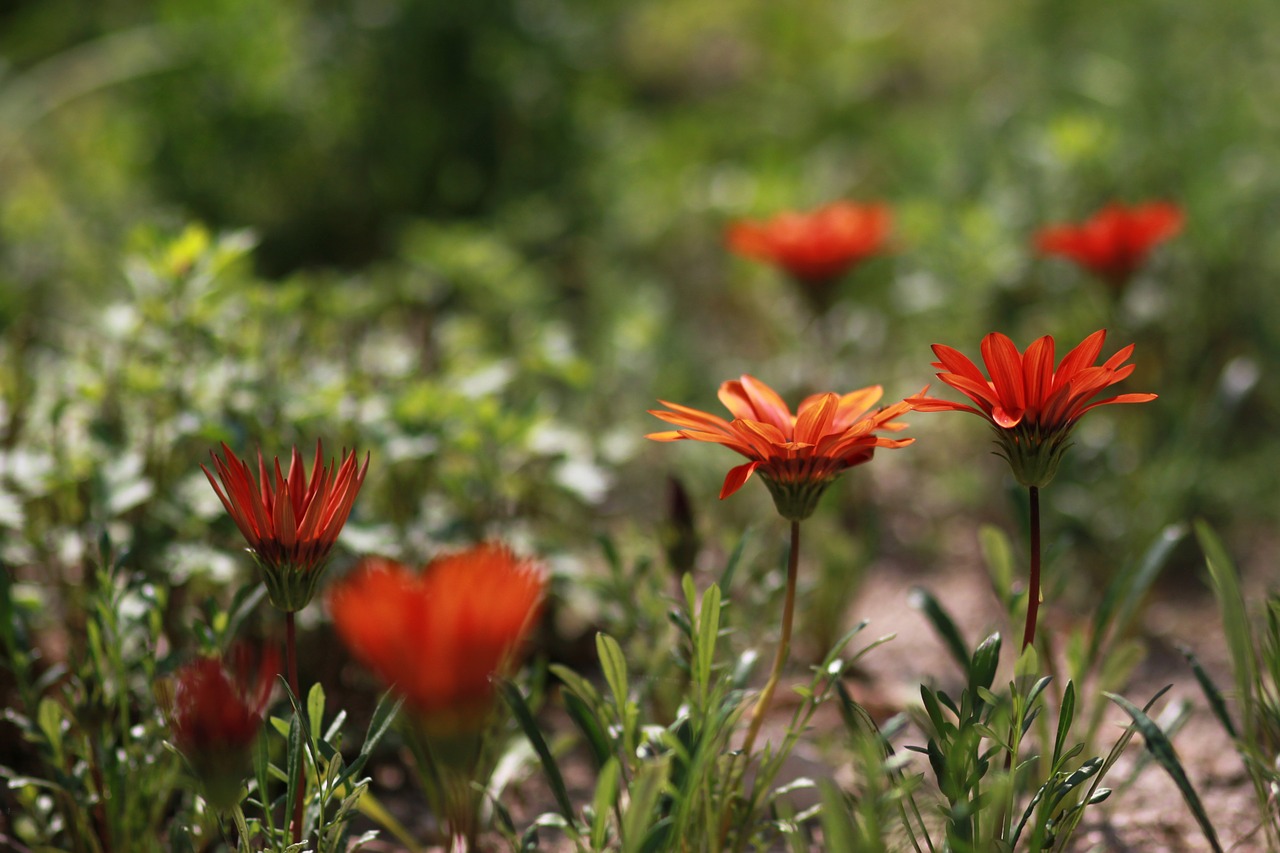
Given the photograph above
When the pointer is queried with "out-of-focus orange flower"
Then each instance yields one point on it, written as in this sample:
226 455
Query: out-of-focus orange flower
1115 241
215 707
819 246
1032 406
290 524
798 455
440 636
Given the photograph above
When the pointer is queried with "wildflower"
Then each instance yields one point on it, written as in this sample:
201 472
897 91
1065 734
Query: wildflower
1032 406
214 708
798 455
291 524
1115 242
816 247
440 636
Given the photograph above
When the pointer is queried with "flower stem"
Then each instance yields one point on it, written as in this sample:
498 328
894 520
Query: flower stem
784 645
1033 586
291 658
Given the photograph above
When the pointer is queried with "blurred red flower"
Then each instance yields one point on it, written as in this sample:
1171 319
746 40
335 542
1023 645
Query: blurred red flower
819 246
1032 406
214 708
440 636
290 524
1115 242
798 455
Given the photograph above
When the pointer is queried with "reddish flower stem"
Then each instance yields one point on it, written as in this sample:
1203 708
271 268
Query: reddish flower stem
784 644
291 657
1033 587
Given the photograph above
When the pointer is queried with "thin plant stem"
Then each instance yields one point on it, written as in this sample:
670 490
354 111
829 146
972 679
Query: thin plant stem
784 645
1033 586
291 658
738 768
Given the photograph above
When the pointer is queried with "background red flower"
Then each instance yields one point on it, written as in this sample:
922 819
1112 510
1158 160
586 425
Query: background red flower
1115 242
818 246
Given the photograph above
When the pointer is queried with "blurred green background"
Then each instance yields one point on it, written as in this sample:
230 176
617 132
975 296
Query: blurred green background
480 239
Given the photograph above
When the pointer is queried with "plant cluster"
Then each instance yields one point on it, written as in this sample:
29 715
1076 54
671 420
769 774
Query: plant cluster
479 241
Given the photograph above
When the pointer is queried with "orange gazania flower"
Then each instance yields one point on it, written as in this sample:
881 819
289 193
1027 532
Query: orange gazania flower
440 636
214 708
1115 242
815 247
291 524
797 455
1032 406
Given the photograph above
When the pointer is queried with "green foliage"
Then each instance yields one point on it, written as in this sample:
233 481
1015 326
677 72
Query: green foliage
478 240
97 774
1255 663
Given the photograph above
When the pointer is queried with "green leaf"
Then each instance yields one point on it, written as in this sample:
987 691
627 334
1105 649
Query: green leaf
922 600
293 763
858 722
1028 663
577 685
262 774
1162 750
384 715
372 808
838 829
602 803
1075 779
614 666
1066 715
591 728
315 710
50 719
934 710
999 559
838 647
708 631
1235 619
1216 703
875 644
731 567
1126 591
982 669
655 839
242 604
1119 663
524 717
645 789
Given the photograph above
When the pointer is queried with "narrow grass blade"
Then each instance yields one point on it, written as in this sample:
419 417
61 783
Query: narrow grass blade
921 599
1235 618
838 830
315 709
369 806
731 567
602 804
1216 703
1162 750
708 631
614 665
293 757
1065 716
524 716
645 790
999 559
590 727
1126 591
